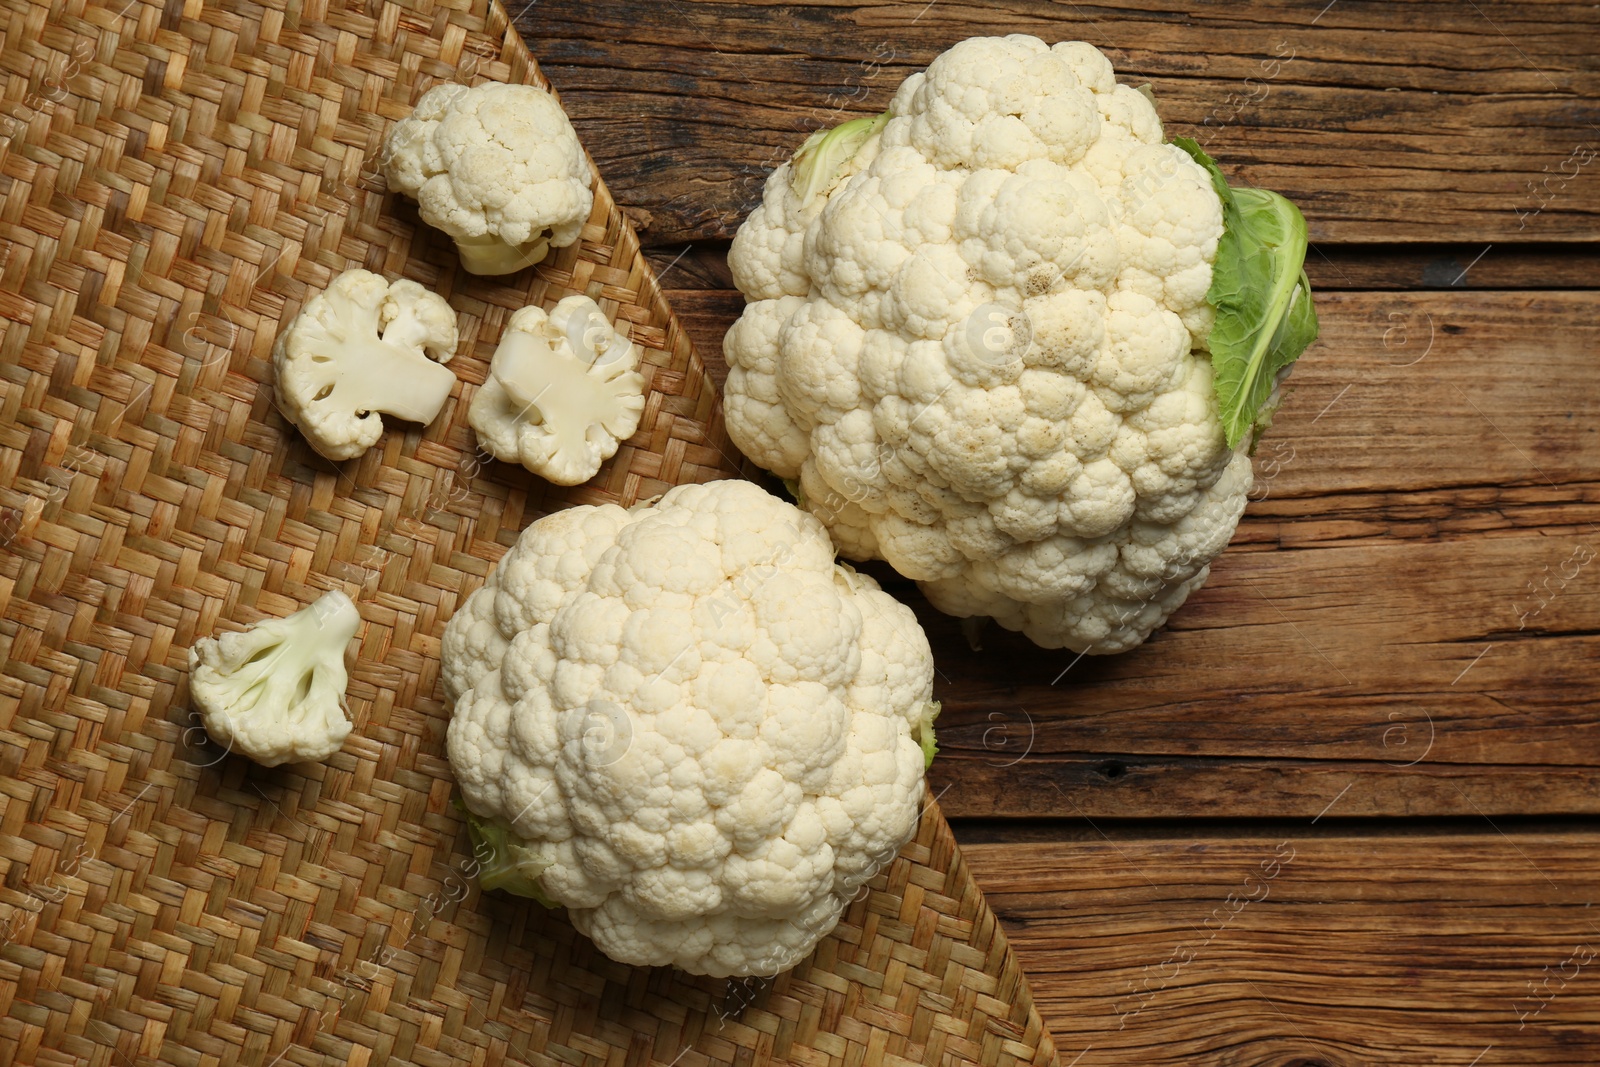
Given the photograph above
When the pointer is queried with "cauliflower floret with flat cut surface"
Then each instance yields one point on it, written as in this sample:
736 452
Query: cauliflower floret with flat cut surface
979 347
359 350
701 733
497 167
275 691
563 392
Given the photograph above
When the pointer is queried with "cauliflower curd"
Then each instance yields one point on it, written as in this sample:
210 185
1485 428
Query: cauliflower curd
978 341
497 167
703 734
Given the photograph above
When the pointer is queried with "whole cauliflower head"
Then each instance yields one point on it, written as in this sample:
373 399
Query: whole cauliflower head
977 340
705 735
497 167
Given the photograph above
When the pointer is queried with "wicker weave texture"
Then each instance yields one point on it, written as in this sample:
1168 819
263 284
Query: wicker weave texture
175 182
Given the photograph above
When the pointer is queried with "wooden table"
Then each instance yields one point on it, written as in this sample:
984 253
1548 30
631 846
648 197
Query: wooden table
1341 810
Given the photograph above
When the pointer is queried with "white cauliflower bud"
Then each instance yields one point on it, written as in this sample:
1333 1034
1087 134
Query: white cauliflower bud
275 692
978 346
702 734
497 167
563 392
361 349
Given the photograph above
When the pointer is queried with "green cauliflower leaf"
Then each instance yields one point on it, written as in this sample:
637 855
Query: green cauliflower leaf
1265 317
504 860
924 732
824 155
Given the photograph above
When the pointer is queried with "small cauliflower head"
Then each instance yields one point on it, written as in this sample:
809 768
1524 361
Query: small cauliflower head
359 350
563 392
977 341
703 735
497 167
275 692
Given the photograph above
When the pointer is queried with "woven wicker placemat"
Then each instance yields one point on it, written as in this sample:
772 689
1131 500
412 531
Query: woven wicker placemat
173 184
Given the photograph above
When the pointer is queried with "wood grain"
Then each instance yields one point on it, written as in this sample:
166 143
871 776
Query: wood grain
1453 266
1384 121
1466 948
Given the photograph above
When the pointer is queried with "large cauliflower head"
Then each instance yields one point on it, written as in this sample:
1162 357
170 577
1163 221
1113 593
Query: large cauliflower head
703 730
978 343
497 167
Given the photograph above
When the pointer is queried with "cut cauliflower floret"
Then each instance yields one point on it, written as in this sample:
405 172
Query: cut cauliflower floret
563 392
275 692
497 167
691 726
360 347
980 349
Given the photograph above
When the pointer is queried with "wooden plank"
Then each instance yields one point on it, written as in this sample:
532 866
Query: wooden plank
1418 391
706 315
1385 121
1396 671
1408 605
1293 947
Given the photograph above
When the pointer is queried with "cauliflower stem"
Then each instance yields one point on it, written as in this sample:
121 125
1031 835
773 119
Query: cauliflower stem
490 256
